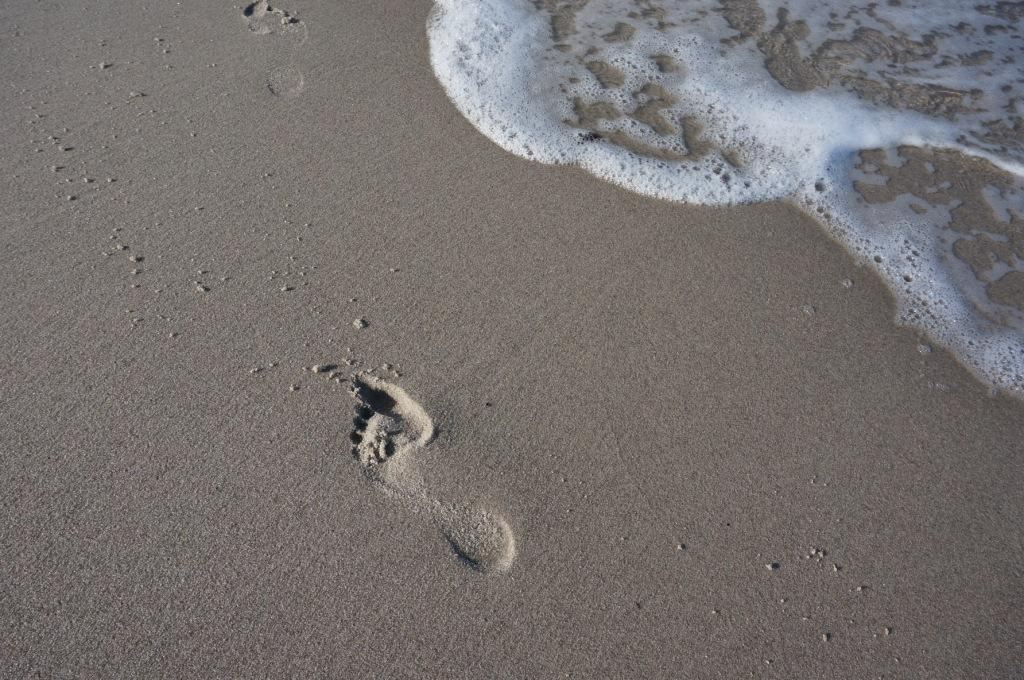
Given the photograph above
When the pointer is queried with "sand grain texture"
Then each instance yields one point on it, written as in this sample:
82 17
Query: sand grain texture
657 400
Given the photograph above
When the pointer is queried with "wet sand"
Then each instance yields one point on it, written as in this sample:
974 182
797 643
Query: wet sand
716 460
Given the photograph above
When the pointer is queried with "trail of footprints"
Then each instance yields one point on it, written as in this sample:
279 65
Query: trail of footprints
389 428
265 20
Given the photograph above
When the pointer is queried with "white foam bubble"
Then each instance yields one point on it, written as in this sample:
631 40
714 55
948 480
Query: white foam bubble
946 82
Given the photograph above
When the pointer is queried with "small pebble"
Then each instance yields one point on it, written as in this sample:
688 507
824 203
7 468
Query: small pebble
359 323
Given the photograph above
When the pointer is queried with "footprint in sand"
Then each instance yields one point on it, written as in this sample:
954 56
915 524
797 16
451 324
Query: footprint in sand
286 81
287 31
266 20
389 428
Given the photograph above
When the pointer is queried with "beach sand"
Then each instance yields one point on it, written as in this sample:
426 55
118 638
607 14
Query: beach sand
695 451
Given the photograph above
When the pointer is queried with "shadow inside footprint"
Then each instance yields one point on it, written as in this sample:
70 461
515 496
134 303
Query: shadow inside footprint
481 539
373 398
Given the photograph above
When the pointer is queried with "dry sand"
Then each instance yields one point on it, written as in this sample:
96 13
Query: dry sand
688 449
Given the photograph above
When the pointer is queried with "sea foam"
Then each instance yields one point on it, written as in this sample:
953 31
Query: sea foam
895 125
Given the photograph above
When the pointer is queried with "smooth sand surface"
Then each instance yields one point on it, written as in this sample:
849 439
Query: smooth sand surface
714 459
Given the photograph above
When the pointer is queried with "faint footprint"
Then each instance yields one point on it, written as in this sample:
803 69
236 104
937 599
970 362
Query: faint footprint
286 81
389 428
266 20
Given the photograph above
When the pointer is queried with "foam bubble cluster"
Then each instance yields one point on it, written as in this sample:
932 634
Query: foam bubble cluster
896 125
